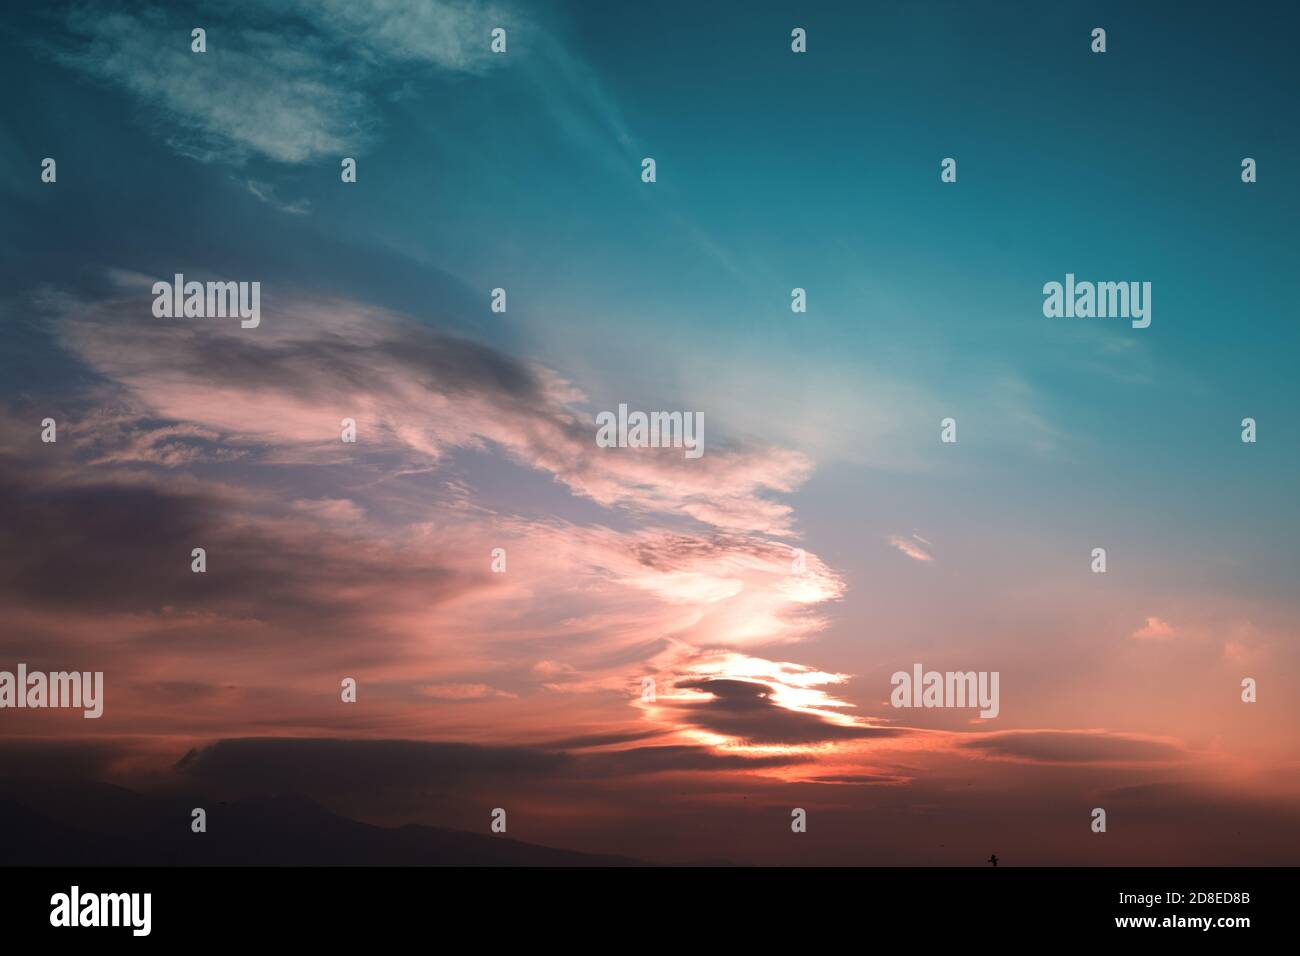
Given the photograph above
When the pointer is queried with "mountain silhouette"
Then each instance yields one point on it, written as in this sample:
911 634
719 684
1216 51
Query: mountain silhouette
84 823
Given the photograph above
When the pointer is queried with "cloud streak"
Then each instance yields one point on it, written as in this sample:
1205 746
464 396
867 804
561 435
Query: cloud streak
914 546
284 81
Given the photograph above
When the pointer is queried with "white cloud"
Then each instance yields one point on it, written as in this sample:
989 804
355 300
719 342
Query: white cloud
290 88
452 34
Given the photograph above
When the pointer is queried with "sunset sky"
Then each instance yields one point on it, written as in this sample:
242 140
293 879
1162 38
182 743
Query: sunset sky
476 429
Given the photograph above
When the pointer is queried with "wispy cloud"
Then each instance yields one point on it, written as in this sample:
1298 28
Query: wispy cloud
451 34
250 94
265 192
914 546
285 81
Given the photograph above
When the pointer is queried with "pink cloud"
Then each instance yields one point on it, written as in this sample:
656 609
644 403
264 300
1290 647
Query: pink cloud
1155 629
914 546
453 691
285 389
388 540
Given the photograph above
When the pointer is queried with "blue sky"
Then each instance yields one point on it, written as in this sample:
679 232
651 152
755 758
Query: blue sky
774 170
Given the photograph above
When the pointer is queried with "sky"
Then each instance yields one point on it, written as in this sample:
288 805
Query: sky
775 170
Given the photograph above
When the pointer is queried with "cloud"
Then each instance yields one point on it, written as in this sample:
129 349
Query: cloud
265 192
749 711
284 80
451 34
1155 629
117 438
327 765
1074 746
914 547
414 390
550 669
253 92
586 741
674 759
200 434
451 691
113 546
